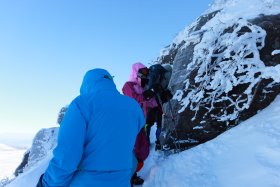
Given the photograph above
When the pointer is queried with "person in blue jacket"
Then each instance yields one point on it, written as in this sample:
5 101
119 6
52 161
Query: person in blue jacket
96 137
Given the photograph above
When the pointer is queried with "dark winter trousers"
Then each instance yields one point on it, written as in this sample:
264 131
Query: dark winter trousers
154 115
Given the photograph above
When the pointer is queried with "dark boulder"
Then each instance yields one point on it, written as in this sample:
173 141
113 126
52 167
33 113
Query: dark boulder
221 77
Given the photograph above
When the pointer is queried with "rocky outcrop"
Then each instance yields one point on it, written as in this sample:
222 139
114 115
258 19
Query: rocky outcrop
223 73
43 144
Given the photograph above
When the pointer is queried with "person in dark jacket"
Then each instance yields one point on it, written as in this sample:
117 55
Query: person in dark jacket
157 87
96 137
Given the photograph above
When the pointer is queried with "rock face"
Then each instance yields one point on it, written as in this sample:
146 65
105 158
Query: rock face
43 143
223 73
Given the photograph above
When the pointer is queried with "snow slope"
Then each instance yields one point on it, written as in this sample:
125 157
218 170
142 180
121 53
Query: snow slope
245 156
31 177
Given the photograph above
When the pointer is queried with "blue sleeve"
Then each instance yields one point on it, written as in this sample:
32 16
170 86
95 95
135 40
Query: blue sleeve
142 120
69 149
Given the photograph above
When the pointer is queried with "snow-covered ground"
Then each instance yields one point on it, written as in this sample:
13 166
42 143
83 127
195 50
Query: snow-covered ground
9 159
12 148
31 177
246 156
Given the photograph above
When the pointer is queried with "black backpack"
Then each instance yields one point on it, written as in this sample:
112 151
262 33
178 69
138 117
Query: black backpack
158 80
159 75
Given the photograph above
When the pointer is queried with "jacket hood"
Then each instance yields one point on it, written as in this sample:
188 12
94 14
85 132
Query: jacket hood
133 75
96 80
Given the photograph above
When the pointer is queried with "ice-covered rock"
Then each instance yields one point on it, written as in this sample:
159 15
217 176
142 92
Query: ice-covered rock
225 69
43 144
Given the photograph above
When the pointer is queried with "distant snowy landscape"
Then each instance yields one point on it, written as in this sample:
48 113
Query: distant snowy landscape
9 159
12 147
17 139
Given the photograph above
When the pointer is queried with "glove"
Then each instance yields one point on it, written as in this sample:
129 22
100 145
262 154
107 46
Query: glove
157 88
165 96
148 94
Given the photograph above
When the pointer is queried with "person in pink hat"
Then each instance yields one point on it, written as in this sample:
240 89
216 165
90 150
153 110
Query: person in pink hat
134 88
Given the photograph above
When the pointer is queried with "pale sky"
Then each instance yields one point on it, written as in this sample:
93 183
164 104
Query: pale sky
46 47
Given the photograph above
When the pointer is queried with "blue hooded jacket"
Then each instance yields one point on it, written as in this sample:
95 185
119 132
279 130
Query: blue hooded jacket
96 136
